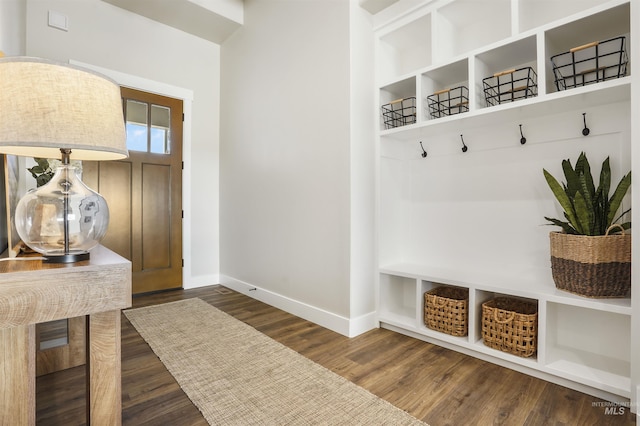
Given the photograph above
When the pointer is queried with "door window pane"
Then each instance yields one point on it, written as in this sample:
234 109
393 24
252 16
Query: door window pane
148 127
137 125
160 125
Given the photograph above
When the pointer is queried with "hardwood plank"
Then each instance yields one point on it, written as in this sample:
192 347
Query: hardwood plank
61 397
434 384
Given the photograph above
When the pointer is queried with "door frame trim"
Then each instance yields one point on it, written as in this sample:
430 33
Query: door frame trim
147 85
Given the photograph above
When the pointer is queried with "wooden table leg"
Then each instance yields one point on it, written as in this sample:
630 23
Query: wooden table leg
104 385
18 375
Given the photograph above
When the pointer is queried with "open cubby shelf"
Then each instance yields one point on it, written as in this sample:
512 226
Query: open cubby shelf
531 49
585 351
472 218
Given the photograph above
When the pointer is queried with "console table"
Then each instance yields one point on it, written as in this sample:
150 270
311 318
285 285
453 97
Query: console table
33 292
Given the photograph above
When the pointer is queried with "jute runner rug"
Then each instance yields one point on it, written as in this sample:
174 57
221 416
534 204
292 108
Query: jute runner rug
236 375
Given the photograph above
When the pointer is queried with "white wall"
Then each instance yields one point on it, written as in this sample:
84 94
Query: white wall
285 156
106 36
298 173
12 27
363 177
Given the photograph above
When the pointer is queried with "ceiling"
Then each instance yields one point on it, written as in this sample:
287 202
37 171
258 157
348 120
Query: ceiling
193 17
208 19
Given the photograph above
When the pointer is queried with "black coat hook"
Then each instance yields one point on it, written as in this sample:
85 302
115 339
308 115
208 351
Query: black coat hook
464 147
585 131
424 153
523 140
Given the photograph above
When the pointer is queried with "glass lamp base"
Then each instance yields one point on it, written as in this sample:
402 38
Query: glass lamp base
63 219
66 257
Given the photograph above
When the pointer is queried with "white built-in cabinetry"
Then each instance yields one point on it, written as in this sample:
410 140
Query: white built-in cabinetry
475 219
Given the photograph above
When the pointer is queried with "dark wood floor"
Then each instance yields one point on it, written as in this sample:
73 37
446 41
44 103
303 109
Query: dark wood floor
436 385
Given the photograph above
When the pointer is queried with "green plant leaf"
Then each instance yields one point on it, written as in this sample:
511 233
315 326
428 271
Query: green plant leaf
562 197
605 178
584 168
588 221
42 179
566 226
601 202
43 163
573 184
583 214
620 217
616 199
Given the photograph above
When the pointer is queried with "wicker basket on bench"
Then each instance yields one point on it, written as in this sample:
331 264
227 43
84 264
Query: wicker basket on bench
510 325
446 310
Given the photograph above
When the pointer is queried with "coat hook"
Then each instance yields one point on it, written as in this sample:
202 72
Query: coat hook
464 147
523 140
424 153
585 131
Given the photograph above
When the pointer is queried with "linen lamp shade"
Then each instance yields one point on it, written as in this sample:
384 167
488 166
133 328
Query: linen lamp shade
46 106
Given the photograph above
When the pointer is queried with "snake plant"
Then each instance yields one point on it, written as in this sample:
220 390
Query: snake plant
588 210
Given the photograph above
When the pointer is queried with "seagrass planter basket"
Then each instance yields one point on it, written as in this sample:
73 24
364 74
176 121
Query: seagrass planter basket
510 325
592 266
446 310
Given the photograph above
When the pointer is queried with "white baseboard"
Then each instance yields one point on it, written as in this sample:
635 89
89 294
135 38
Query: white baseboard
201 281
339 324
363 323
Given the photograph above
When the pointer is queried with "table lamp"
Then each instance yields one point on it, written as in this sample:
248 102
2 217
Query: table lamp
54 110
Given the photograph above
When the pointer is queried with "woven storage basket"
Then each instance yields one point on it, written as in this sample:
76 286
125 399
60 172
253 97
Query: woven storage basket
598 266
510 325
445 310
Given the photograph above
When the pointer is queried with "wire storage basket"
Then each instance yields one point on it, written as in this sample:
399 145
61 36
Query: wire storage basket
448 102
446 310
510 325
399 112
510 85
590 63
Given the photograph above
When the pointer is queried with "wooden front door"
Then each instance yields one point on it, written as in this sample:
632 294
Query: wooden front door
144 191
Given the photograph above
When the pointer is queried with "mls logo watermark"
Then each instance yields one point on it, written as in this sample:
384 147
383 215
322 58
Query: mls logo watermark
614 411
613 408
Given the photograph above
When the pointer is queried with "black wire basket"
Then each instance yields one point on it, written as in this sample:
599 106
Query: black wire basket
590 63
448 102
510 85
399 112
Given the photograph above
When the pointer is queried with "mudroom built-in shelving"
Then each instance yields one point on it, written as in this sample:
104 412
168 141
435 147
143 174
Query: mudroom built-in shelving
461 195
